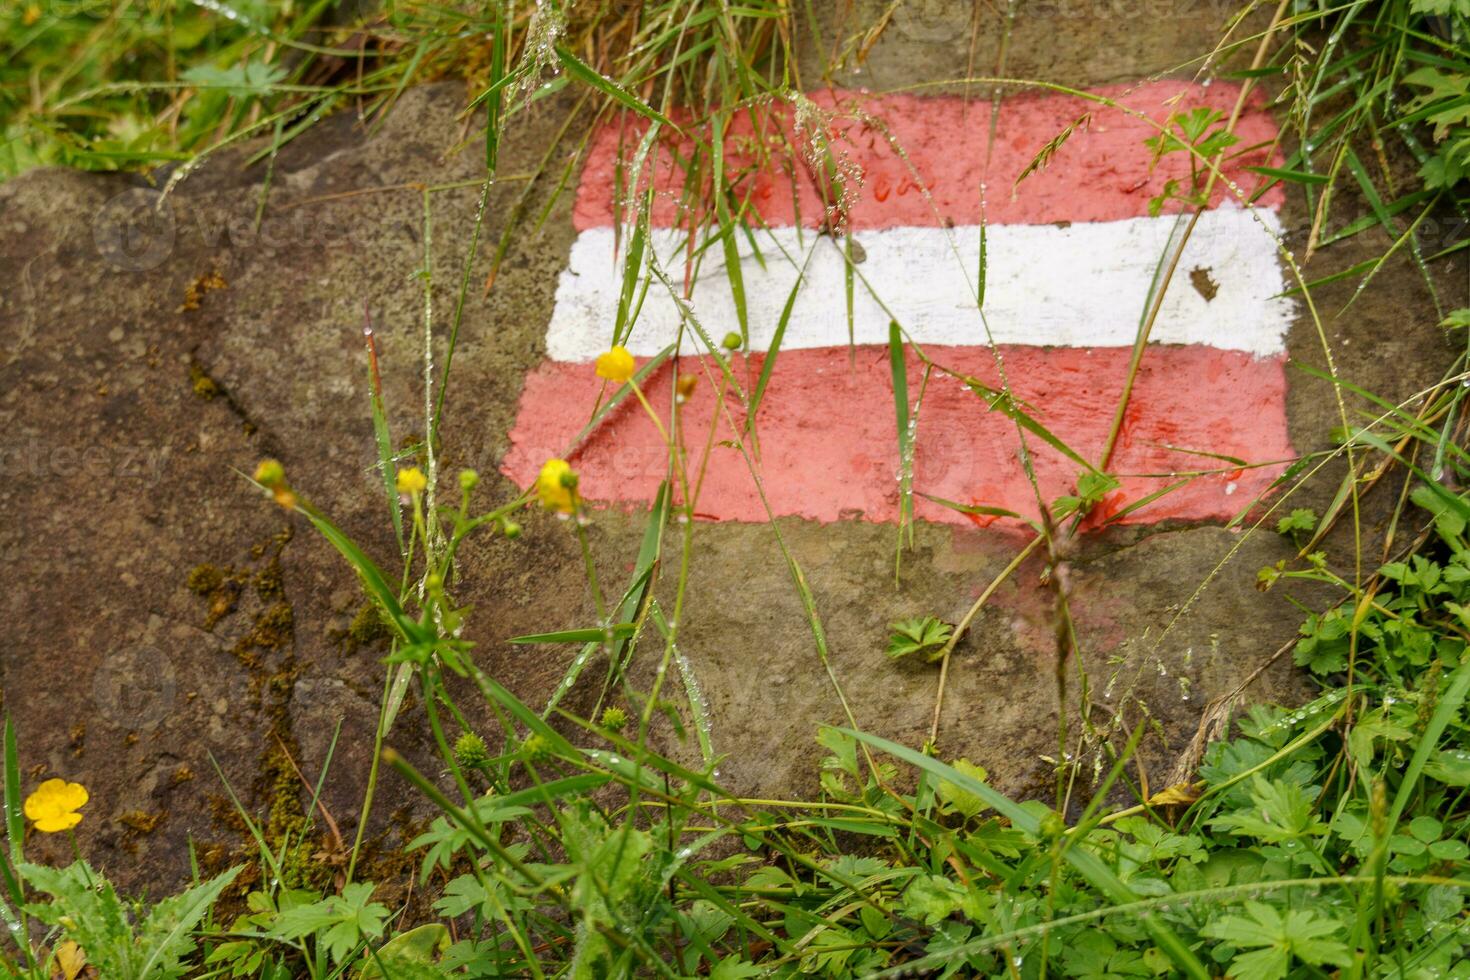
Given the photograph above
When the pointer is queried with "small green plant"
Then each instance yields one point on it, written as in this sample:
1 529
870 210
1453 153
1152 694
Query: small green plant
923 637
1302 520
1200 135
126 940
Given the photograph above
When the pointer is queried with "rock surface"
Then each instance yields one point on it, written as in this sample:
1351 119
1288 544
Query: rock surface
165 617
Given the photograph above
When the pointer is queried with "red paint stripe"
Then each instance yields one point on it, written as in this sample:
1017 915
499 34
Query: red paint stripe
828 434
1101 173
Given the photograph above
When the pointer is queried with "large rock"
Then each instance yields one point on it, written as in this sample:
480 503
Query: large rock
164 615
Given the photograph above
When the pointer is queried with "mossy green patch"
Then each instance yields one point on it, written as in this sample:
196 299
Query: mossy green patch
142 822
204 579
202 384
366 629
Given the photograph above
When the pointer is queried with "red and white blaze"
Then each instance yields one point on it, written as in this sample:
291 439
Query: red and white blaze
1070 257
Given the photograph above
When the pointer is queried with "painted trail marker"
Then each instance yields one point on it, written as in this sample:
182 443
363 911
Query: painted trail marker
1070 258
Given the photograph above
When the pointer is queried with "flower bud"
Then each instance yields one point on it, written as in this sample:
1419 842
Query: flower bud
536 748
269 473
470 751
1053 826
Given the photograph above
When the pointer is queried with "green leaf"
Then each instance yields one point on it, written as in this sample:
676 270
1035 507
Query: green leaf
1294 176
584 72
842 747
236 81
925 637
165 934
1449 766
1449 510
1301 520
1456 320
1086 863
898 370
1299 934
591 634
337 924
1002 401
14 804
1281 812
88 910
957 799
731 968
1441 8
931 898
411 955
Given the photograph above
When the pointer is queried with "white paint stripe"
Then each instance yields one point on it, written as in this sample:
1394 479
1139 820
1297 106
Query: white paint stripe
1084 285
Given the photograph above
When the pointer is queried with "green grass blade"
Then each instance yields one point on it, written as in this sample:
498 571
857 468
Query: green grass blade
697 709
585 73
649 366
848 266
495 102
768 364
982 265
1444 713
373 579
591 634
15 819
974 510
898 369
631 598
1003 402
1147 499
727 230
1294 176
1089 865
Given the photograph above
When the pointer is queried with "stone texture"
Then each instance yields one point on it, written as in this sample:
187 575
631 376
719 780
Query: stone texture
163 614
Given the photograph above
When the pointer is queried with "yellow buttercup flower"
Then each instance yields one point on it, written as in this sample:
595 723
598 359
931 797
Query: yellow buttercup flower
557 486
412 480
616 365
53 806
